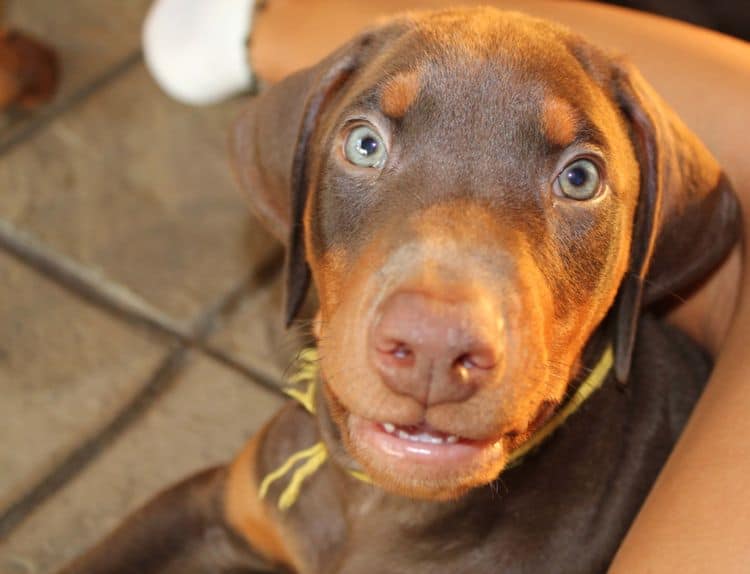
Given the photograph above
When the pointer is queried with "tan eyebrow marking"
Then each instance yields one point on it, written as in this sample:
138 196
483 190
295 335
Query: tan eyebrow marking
399 94
559 121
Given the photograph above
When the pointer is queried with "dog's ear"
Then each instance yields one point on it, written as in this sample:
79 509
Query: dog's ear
687 218
270 146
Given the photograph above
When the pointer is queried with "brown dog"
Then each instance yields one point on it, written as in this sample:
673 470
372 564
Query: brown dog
485 203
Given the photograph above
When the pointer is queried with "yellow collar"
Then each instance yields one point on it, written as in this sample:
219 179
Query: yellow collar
302 388
593 381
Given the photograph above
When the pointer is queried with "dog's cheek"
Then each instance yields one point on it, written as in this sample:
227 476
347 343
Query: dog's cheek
328 274
338 283
591 251
345 202
343 278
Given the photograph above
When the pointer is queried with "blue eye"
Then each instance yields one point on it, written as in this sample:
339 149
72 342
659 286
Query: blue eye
579 180
365 148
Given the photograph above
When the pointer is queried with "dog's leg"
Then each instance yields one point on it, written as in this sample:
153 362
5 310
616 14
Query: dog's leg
182 530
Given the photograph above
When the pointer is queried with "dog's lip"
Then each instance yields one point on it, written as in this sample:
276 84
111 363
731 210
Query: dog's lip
423 445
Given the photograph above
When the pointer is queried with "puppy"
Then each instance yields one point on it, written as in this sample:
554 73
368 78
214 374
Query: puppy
488 207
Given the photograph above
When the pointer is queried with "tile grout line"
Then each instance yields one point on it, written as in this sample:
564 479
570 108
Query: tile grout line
39 121
85 282
119 301
160 382
80 457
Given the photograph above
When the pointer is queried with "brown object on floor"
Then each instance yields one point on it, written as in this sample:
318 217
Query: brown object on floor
29 71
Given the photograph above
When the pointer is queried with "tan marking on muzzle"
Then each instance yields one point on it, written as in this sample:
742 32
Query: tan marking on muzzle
330 272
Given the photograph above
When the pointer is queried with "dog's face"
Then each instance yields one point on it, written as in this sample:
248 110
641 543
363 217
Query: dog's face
467 229
469 195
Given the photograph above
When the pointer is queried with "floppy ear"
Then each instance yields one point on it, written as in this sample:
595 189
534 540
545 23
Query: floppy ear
271 143
687 218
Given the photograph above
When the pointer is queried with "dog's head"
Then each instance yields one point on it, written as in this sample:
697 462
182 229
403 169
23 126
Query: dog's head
473 192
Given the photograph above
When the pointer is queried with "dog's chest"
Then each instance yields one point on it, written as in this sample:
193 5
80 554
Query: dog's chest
564 509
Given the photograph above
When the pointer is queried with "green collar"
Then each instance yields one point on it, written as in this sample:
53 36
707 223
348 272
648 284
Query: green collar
304 463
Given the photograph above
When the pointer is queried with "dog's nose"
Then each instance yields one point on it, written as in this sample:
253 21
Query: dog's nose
433 350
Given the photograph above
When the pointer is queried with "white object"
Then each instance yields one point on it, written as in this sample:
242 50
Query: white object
196 49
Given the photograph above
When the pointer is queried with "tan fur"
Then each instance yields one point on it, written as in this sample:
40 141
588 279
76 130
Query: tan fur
558 121
399 94
333 269
246 513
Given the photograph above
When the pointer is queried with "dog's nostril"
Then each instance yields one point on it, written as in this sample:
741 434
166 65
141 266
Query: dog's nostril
477 360
471 368
402 352
398 352
465 361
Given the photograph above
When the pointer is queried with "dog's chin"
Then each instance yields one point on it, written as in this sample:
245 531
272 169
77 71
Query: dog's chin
420 462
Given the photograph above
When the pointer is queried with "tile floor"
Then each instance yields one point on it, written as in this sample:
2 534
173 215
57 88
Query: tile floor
139 300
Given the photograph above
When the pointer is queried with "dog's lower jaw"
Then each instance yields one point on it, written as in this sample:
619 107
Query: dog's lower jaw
446 473
422 470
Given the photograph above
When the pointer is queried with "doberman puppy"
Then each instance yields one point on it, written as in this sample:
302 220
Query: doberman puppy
490 208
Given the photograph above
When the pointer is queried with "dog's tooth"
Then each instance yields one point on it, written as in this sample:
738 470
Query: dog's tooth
428 438
423 437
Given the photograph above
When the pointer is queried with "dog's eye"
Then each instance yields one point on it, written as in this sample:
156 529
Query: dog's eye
364 147
579 180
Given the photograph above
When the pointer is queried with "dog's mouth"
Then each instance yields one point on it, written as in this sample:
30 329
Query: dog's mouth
422 433
420 460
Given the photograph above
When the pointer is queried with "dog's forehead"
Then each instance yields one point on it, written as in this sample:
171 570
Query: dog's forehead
487 33
475 53
485 111
471 63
